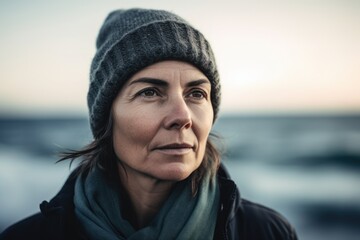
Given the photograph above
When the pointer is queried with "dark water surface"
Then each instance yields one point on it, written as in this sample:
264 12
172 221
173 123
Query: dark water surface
306 167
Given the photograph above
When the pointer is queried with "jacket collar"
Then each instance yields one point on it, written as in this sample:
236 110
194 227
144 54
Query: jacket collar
59 212
230 195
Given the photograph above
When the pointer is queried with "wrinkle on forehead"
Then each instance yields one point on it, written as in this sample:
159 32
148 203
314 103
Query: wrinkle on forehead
171 70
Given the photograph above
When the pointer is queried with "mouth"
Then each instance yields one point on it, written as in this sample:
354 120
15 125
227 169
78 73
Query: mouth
175 148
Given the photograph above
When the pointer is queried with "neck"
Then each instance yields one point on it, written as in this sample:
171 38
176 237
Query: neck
146 195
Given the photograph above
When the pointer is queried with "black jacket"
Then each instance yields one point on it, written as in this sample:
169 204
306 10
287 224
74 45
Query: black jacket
237 218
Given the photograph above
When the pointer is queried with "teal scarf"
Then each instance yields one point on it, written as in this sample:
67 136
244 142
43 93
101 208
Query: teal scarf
98 209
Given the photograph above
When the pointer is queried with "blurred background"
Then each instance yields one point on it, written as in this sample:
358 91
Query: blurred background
290 113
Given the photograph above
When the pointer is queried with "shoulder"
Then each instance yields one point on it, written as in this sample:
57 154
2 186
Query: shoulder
254 221
55 221
51 223
260 222
242 219
33 227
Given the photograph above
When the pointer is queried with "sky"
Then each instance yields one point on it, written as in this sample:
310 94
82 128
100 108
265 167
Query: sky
273 56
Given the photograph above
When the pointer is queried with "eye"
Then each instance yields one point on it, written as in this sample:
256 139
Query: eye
198 94
148 92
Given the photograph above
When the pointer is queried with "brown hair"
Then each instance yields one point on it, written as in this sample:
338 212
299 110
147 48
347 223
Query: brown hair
100 152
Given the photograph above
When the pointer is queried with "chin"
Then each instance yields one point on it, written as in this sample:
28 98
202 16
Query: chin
175 173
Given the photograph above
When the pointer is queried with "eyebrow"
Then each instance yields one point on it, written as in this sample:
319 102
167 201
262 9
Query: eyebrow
160 82
197 82
154 81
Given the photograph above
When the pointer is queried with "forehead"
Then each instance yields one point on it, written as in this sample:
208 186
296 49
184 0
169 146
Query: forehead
169 70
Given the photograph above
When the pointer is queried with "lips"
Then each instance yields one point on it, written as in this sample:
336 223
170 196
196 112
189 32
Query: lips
175 149
175 146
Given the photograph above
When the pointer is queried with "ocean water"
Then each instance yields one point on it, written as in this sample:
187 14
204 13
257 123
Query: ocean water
305 167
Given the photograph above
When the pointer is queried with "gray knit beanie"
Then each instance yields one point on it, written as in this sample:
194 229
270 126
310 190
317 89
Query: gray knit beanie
130 40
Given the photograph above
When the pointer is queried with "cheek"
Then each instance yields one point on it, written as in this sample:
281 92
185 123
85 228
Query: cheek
131 133
205 122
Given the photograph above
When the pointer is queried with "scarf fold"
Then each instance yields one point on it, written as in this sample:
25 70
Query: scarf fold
98 209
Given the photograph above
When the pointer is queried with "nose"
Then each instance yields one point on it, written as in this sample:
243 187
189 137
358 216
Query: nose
178 114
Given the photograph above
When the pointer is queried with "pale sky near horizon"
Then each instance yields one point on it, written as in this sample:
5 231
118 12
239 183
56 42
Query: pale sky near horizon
273 56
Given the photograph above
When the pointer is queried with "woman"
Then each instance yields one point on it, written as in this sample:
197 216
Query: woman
151 171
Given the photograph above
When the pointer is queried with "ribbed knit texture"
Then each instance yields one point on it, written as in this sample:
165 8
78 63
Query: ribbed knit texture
130 40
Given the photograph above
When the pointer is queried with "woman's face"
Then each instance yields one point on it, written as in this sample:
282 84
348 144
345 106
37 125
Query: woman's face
162 119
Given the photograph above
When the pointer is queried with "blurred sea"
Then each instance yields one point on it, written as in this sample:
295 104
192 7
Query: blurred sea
306 167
